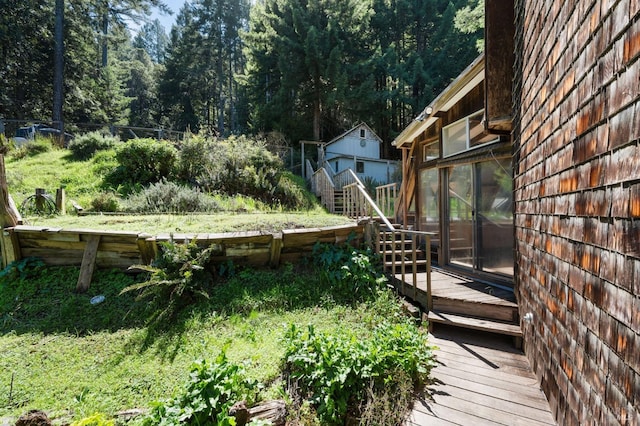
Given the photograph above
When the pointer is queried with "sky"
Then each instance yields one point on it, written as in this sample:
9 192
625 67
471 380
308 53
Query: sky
168 20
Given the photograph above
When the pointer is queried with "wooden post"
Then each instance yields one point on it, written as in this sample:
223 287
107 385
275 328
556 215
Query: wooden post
10 247
276 250
88 263
61 200
40 199
10 215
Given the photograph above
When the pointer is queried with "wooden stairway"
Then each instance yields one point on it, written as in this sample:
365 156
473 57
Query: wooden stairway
456 300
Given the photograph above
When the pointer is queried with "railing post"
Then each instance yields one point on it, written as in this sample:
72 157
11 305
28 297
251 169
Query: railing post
428 250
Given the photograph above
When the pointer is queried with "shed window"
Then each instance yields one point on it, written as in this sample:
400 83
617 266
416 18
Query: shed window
363 133
359 166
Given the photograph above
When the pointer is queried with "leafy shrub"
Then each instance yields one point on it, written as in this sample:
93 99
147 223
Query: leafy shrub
141 162
106 202
177 278
169 197
291 193
104 162
193 158
85 146
352 273
206 399
38 146
98 419
337 370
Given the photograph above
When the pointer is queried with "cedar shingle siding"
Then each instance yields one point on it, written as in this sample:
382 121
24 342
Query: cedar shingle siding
577 192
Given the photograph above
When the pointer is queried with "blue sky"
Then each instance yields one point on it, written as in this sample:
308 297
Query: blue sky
168 20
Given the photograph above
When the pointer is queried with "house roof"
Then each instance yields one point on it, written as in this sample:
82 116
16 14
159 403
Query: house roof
461 86
337 138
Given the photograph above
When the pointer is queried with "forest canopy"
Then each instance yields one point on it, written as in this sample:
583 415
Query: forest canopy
308 69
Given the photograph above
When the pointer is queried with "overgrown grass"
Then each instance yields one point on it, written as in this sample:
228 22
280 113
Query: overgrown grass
72 358
196 223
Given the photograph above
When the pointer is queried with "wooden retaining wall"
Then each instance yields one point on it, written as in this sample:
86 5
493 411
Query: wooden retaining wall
118 249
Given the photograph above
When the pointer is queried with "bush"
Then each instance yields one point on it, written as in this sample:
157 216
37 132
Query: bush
178 277
105 202
212 390
169 197
337 370
85 146
141 162
38 146
352 274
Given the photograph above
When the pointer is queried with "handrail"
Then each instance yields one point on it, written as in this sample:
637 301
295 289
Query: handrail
387 246
322 186
346 177
359 187
386 196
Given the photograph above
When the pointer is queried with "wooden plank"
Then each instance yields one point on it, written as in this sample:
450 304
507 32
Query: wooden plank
11 250
276 249
145 247
474 323
423 413
516 399
88 263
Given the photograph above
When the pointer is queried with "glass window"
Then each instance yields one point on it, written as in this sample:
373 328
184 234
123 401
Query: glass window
363 133
359 166
454 138
495 216
429 200
465 134
431 151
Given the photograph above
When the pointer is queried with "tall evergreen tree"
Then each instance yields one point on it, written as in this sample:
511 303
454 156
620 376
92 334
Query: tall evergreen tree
204 55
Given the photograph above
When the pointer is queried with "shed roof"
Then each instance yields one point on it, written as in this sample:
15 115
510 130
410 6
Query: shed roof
337 138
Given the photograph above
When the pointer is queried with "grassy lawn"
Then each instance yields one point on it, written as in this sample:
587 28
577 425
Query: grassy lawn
187 223
71 358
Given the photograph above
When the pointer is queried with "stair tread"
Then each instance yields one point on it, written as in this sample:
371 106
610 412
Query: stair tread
481 324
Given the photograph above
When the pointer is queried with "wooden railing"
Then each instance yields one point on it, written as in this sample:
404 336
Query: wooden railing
358 203
399 248
322 186
386 198
345 178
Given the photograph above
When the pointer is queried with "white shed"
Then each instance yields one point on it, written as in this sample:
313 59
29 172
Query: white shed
359 149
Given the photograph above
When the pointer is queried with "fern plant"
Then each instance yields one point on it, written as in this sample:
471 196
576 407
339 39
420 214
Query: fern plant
180 275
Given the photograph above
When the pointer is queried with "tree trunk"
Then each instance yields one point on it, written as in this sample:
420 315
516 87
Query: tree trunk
58 69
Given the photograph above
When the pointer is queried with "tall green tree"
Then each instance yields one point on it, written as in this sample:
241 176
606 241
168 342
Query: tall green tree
198 88
299 52
153 38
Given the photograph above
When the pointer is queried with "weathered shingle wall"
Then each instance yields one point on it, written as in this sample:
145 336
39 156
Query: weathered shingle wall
577 189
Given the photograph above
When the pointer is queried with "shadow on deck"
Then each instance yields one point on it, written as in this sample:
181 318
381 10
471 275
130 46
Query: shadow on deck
463 302
480 379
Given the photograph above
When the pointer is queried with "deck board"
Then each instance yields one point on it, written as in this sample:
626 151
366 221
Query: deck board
481 380
445 285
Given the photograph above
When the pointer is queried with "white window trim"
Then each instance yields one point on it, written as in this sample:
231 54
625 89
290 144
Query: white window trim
468 139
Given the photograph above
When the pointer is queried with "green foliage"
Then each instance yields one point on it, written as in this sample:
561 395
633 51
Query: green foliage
470 20
34 297
37 146
143 161
23 268
85 146
106 202
241 165
179 276
351 273
336 370
205 400
98 419
169 197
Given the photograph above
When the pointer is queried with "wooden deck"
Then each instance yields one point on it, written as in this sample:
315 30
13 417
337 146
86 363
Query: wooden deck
457 294
480 380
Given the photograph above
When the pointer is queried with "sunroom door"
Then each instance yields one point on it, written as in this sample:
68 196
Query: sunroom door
480 216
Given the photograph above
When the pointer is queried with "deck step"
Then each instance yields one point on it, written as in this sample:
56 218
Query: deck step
480 324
